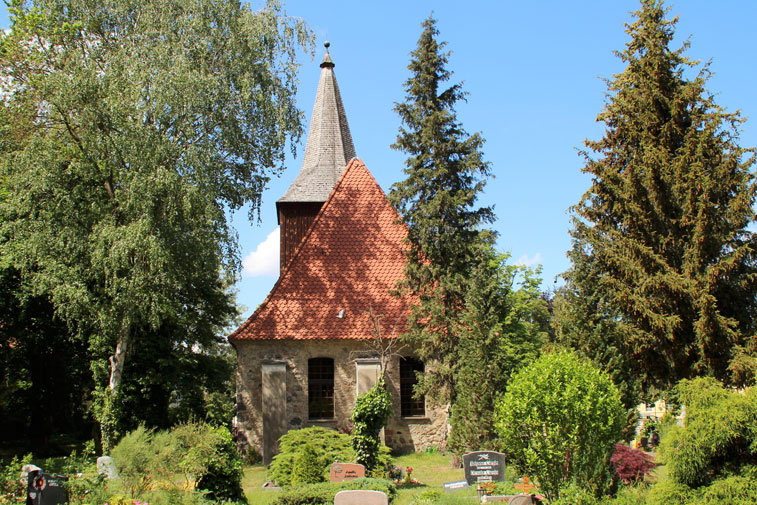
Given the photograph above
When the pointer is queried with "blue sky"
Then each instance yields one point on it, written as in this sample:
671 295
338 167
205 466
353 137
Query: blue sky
534 73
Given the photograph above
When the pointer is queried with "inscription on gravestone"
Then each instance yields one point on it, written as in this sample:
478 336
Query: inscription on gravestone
346 471
484 466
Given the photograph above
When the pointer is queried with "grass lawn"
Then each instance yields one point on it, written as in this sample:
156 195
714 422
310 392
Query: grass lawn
432 470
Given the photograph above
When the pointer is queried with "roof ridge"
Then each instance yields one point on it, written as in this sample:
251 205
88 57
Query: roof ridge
352 163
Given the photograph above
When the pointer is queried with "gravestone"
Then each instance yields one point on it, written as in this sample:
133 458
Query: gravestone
361 497
346 471
46 489
484 466
106 466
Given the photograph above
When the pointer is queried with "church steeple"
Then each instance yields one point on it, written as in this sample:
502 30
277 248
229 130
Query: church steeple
329 147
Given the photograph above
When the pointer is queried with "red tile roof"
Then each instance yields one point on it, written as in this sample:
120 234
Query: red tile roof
349 260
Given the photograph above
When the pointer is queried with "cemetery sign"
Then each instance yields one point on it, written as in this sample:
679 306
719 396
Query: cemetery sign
484 466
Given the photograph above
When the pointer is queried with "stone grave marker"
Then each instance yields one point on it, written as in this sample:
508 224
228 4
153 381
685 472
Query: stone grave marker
361 497
46 489
345 471
106 466
484 466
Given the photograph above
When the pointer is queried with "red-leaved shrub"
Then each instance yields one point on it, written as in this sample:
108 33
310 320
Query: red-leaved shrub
632 465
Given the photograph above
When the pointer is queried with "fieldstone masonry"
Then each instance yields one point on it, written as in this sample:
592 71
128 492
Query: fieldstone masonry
253 391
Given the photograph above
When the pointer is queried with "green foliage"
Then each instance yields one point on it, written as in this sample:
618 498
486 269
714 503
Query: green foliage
720 434
307 468
670 492
663 279
139 126
445 173
574 494
468 311
502 328
371 413
323 493
134 457
204 453
12 490
329 445
559 421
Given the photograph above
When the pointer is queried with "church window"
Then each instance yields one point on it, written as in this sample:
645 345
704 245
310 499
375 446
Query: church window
321 388
409 405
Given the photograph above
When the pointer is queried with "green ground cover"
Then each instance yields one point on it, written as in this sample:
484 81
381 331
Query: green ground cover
431 470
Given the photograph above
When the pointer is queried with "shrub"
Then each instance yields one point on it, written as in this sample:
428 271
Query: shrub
719 435
212 458
206 454
134 458
575 495
329 445
307 469
560 419
323 493
670 492
12 490
632 465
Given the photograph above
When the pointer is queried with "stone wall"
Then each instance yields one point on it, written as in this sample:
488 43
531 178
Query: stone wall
401 434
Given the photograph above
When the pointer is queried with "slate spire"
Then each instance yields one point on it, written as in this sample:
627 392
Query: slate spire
329 147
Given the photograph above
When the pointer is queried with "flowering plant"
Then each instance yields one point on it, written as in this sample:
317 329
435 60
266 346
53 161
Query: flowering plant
487 487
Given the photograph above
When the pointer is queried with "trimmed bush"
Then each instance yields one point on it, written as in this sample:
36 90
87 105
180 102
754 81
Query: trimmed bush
559 420
323 493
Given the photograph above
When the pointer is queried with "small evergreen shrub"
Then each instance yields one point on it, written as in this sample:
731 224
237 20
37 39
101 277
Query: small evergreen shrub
307 468
323 493
719 435
329 446
632 465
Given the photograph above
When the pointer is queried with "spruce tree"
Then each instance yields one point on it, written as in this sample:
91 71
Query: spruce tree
663 261
446 172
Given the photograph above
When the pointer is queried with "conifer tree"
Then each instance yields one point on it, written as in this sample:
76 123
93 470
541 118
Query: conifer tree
446 172
663 262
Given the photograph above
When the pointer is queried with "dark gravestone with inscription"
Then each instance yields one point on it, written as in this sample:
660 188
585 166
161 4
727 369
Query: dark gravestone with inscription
46 489
484 466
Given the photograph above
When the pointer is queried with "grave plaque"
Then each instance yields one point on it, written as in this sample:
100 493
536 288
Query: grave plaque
360 497
484 466
46 489
346 471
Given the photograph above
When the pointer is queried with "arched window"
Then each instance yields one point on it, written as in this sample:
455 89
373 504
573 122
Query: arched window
321 388
409 405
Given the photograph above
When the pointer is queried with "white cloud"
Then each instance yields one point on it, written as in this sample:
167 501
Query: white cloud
529 262
264 261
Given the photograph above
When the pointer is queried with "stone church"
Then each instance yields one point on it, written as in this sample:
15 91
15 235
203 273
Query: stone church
305 354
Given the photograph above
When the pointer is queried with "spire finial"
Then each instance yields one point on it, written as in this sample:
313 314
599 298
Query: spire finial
327 61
